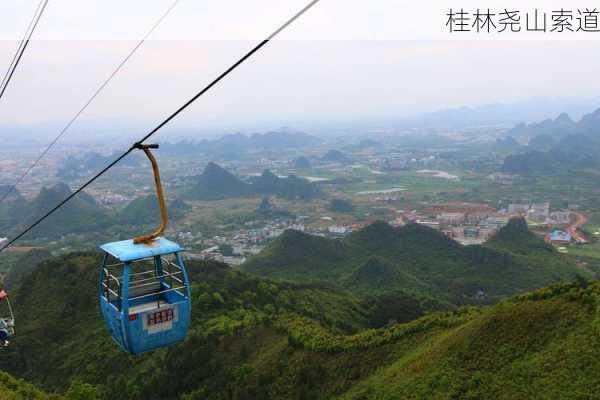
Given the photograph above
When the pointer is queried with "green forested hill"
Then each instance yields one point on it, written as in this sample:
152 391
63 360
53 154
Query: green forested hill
216 183
82 214
144 210
419 260
253 338
15 389
62 337
23 265
545 345
291 187
267 210
517 238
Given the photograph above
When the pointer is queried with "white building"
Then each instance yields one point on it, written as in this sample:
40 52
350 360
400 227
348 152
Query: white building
458 232
494 222
338 230
212 249
431 224
451 218
518 208
253 250
275 233
503 179
234 260
541 207
539 212
476 217
561 217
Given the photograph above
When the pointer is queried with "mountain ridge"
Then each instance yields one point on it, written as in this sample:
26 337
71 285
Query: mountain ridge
428 262
216 183
80 215
557 145
236 143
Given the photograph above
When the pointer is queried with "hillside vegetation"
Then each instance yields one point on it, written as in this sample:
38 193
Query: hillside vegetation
61 329
253 338
544 345
419 260
15 389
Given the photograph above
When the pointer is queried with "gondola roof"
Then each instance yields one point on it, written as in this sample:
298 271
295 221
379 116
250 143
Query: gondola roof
126 250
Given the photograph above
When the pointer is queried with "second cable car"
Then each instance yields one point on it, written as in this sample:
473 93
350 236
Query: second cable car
7 320
144 288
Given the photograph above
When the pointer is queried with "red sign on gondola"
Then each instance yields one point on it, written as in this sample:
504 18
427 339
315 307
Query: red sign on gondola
160 317
3 295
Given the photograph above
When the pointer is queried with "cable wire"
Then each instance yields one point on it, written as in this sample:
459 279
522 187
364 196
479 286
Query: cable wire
164 122
87 104
21 50
12 62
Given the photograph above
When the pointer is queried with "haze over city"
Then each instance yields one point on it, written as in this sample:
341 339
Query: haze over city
297 83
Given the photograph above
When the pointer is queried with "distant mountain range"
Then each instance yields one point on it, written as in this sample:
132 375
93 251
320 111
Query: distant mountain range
76 167
341 206
267 210
11 209
507 143
557 145
534 109
80 215
417 259
144 210
560 127
291 187
229 145
301 163
239 143
13 194
336 156
217 183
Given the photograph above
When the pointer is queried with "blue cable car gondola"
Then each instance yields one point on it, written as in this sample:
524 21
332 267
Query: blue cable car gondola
144 288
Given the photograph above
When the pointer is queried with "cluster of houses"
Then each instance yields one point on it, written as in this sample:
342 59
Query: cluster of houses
244 242
474 223
247 242
540 213
463 229
467 223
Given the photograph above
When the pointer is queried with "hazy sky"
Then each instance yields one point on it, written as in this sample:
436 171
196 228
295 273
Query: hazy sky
288 81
